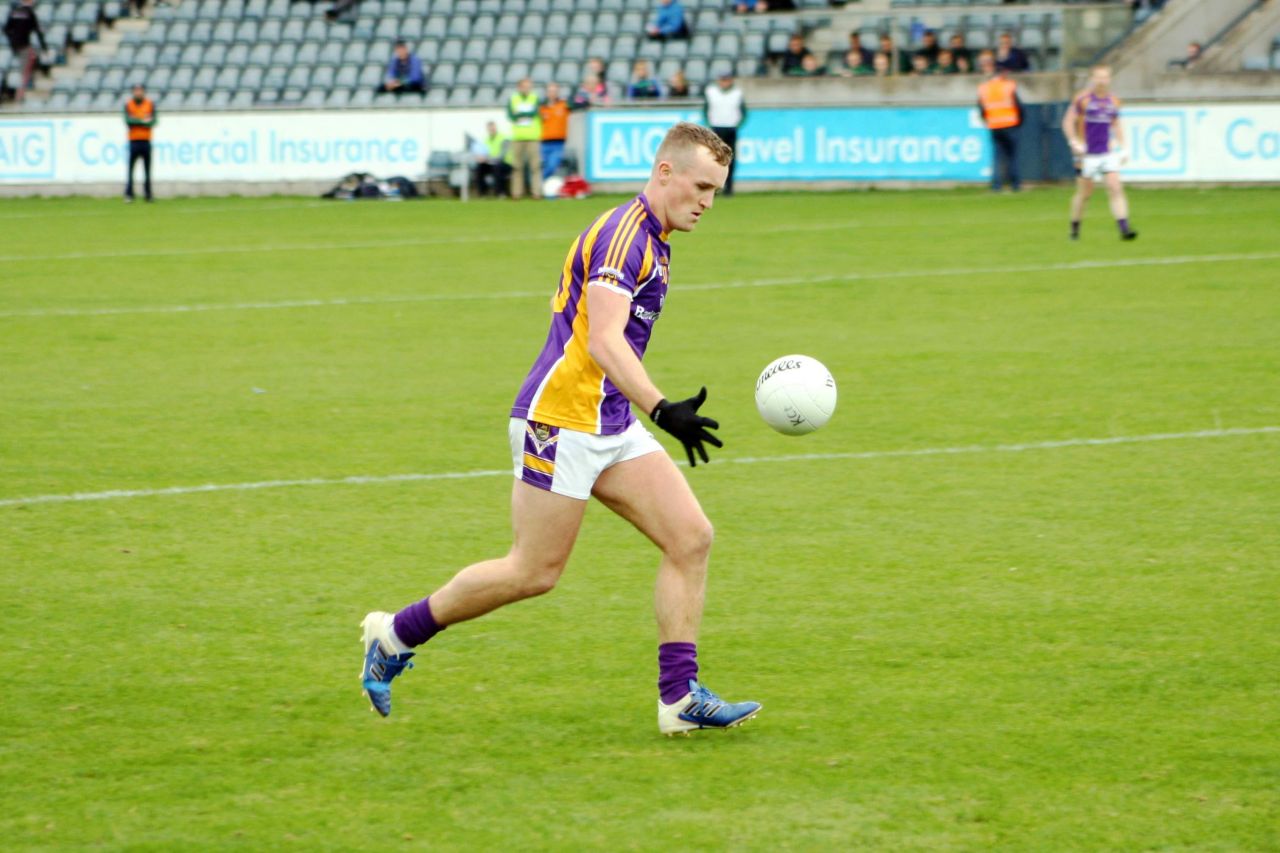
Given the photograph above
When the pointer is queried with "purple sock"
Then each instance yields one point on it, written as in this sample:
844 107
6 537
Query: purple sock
415 625
1124 225
677 665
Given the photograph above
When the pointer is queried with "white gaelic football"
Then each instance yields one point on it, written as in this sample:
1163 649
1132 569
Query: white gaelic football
796 394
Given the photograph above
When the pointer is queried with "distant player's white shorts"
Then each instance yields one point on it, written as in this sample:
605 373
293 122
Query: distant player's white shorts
568 462
1094 166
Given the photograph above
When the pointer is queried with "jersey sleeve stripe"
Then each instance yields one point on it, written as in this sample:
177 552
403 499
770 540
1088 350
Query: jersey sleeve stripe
611 256
627 240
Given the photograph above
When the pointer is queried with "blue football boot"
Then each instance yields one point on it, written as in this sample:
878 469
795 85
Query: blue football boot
381 664
702 709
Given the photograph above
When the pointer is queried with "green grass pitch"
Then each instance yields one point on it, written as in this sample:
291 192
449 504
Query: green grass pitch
1021 646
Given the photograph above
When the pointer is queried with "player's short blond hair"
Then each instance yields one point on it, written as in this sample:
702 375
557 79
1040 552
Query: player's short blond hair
1095 69
685 137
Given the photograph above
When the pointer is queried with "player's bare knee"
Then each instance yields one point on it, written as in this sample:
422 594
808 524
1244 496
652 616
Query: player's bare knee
693 545
540 583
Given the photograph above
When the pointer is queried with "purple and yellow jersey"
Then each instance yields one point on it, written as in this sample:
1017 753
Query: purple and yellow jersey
625 251
1096 113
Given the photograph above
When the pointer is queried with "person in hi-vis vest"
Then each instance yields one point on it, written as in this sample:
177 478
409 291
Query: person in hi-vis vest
139 117
1002 111
526 139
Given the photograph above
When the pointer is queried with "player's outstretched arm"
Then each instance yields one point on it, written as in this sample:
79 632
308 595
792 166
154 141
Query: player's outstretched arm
607 344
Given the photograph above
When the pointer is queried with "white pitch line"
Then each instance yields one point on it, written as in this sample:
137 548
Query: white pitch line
472 296
170 210
118 494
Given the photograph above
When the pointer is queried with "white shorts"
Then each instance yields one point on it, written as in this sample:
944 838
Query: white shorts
567 461
1094 166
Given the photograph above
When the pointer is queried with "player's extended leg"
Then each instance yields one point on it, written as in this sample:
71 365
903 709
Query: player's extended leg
1119 205
651 493
1084 190
545 527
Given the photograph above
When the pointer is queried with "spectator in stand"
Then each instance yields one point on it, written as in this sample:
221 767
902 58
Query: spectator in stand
794 57
526 140
555 129
809 67
763 6
1010 56
899 61
668 22
929 47
964 65
592 93
607 91
337 10
643 85
920 65
725 109
678 86
986 63
139 118
18 28
882 65
854 65
960 51
946 63
493 165
404 72
855 43
1193 54
1143 9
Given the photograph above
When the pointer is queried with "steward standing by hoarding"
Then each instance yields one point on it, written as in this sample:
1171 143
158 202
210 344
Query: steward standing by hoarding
140 118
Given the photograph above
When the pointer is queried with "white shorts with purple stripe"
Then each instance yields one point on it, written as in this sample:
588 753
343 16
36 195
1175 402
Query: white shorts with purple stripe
567 461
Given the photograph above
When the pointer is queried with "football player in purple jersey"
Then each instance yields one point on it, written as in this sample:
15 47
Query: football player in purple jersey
573 436
1093 129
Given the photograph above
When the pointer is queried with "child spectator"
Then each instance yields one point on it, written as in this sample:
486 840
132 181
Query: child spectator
592 93
642 83
678 85
920 65
809 67
946 63
854 66
882 65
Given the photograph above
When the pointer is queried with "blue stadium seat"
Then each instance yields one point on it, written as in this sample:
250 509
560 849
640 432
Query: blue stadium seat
532 26
567 75
260 54
475 50
525 50
500 50
581 24
557 25
491 74
468 74
251 78
574 49
451 51
516 71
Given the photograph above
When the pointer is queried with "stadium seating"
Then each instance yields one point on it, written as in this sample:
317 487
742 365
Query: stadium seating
243 53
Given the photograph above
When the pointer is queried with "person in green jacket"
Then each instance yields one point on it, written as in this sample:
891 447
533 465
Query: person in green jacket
526 140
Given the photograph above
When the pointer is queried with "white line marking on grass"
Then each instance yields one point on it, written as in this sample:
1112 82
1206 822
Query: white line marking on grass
170 210
118 494
469 296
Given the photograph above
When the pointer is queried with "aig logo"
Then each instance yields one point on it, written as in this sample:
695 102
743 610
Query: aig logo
26 150
1157 141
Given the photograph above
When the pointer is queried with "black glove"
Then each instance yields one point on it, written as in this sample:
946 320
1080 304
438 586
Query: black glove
683 421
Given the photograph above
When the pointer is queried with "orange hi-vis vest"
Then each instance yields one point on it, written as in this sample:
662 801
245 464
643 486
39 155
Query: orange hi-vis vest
555 120
999 104
144 111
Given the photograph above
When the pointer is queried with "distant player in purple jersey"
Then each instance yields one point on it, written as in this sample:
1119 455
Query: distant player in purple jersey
1093 129
573 436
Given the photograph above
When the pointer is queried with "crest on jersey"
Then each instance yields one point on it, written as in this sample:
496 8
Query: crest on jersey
542 436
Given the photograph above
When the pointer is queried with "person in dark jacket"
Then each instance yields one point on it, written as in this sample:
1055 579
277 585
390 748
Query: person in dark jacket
19 27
